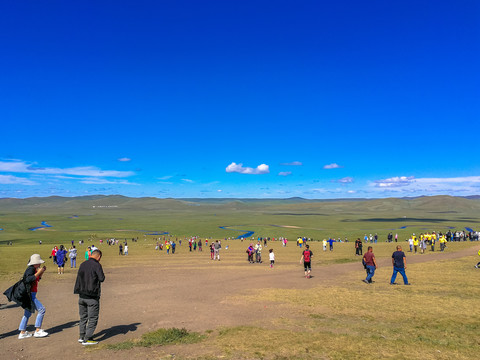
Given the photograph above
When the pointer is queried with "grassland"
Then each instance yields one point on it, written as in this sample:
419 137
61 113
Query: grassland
334 316
116 216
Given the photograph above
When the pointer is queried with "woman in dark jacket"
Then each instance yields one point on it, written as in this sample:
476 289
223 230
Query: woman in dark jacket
31 277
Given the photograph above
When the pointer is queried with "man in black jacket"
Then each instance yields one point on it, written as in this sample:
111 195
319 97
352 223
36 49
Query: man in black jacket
88 287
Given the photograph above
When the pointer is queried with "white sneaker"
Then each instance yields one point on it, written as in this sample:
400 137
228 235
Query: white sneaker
80 340
40 333
24 335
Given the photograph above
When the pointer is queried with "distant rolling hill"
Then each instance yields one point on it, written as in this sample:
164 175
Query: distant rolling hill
427 203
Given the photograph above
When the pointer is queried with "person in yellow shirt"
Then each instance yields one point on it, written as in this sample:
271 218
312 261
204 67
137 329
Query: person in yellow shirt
415 243
443 242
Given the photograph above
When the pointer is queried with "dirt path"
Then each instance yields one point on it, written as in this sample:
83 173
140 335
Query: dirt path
139 299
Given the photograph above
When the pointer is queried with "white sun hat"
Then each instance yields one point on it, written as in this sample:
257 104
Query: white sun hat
35 259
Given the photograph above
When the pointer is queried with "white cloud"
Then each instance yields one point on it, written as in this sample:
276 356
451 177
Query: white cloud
464 179
10 179
346 180
23 167
351 191
124 159
219 190
260 169
100 181
285 173
332 166
293 163
396 181
465 185
167 177
188 180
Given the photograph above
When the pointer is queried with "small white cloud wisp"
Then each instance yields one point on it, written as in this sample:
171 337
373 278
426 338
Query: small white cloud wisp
332 166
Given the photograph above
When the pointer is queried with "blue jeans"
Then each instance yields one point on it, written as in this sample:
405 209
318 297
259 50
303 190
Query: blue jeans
370 272
73 262
401 271
41 312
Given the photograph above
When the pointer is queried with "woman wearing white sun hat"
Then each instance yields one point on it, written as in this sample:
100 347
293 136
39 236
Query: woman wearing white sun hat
31 277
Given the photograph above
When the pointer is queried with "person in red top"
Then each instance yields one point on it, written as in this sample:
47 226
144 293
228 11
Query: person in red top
307 260
54 254
370 264
31 277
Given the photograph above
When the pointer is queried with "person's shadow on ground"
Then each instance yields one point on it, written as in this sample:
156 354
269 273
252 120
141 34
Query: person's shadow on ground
59 328
11 333
51 331
115 330
8 306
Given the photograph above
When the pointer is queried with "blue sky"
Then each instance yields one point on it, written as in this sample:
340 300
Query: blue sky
268 99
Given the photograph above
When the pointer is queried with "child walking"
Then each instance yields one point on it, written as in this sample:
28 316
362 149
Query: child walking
271 255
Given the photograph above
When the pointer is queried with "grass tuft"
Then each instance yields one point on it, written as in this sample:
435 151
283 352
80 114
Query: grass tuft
160 337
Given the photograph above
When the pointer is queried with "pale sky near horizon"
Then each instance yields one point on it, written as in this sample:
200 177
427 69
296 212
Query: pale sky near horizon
265 99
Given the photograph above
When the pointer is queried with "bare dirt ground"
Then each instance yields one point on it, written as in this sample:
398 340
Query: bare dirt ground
144 298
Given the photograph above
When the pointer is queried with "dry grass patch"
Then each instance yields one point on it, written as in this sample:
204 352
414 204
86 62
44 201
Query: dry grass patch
435 318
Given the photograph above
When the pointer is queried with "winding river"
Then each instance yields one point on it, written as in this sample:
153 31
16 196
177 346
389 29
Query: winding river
44 225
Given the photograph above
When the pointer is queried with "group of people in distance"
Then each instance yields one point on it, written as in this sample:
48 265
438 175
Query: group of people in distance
415 243
215 250
60 257
254 251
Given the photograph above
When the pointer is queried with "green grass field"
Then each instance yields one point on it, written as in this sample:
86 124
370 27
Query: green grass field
114 216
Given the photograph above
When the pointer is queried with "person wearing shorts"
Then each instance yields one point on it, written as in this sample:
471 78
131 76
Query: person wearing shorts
307 260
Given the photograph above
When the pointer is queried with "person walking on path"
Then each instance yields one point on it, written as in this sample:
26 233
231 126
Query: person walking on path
371 264
212 251
358 247
330 243
31 277
216 247
258 252
307 261
61 257
399 262
72 254
271 256
53 254
88 252
88 287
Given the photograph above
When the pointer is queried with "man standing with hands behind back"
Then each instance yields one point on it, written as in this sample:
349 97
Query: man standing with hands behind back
88 287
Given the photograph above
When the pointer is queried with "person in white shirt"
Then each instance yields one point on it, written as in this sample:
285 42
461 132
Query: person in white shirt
271 255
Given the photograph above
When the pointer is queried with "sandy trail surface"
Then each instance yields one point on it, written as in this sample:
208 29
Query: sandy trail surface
143 298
